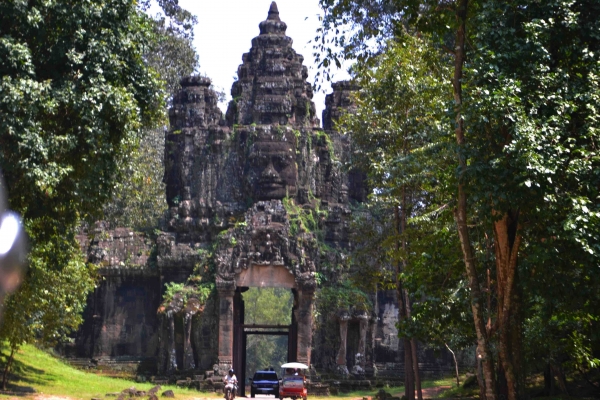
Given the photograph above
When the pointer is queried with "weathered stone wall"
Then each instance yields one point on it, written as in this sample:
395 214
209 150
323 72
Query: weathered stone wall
120 320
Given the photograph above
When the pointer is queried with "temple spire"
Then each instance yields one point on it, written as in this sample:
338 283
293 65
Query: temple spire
273 12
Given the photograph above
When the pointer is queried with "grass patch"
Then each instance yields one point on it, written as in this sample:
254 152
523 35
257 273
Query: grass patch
48 375
459 392
396 391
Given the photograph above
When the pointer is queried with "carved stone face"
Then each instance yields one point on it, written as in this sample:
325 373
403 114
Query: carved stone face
271 169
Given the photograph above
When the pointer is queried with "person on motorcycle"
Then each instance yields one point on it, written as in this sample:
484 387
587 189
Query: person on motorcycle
230 381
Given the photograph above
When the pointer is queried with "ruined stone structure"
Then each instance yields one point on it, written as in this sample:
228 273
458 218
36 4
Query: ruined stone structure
257 197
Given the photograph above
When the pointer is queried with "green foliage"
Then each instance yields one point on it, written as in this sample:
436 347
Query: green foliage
48 305
268 306
53 377
138 199
324 139
530 111
201 292
75 95
345 296
398 130
401 140
199 285
171 53
305 219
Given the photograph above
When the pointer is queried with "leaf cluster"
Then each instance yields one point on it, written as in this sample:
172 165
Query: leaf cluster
75 95
344 296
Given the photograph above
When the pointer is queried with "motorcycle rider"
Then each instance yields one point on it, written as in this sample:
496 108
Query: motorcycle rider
230 381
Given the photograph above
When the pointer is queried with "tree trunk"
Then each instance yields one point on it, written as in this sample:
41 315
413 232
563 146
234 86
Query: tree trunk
407 307
415 355
560 377
7 367
409 386
516 338
548 381
483 348
507 241
480 378
455 364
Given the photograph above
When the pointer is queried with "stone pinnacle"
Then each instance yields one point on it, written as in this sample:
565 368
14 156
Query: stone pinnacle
273 12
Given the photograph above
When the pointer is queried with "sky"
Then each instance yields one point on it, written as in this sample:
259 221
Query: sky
226 27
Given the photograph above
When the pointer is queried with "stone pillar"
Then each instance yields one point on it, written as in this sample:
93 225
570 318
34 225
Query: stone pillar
171 354
191 308
304 317
362 343
343 318
188 354
225 329
370 367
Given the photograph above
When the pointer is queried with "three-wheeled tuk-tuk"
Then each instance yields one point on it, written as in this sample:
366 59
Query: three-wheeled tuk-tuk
293 381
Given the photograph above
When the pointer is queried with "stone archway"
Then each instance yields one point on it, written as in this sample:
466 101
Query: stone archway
261 253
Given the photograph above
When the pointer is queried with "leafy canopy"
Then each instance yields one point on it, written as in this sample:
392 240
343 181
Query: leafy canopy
75 95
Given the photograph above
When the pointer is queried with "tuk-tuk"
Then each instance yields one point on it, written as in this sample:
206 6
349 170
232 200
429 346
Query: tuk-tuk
293 381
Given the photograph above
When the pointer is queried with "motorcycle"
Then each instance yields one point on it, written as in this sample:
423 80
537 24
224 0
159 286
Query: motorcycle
230 392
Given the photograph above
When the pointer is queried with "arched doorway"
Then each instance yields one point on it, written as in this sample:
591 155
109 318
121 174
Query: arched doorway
262 253
252 330
233 331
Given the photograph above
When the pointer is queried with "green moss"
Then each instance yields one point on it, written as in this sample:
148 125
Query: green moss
280 131
303 219
323 138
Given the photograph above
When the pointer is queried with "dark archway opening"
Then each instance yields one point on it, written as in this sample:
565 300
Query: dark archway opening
265 330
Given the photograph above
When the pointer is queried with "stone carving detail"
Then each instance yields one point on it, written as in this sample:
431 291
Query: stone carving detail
338 102
271 86
271 170
265 240
227 179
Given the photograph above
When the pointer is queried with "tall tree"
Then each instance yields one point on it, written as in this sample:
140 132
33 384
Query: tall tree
534 129
138 199
395 127
75 94
525 124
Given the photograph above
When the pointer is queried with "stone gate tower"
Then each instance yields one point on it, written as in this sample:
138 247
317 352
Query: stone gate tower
237 184
257 197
